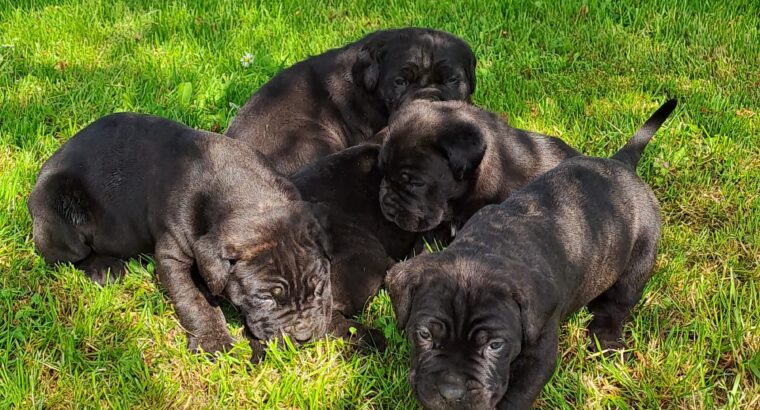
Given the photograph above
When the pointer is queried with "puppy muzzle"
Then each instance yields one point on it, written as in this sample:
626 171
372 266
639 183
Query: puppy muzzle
427 93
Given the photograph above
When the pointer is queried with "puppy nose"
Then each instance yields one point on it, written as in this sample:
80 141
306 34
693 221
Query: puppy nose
452 388
301 333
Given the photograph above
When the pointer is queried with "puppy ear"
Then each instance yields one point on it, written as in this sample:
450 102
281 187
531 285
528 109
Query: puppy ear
537 303
402 283
321 213
470 72
214 262
380 137
464 147
366 69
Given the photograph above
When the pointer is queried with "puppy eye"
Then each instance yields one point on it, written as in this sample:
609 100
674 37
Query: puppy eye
496 346
424 334
277 291
230 263
452 80
401 81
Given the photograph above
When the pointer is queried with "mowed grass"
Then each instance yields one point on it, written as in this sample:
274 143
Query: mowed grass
589 72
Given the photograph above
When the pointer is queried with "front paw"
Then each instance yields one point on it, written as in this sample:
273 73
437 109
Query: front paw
210 343
103 270
258 348
258 351
373 339
364 337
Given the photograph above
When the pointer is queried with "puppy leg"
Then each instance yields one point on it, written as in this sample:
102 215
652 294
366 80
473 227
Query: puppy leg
531 370
102 269
196 309
365 336
357 270
612 308
258 349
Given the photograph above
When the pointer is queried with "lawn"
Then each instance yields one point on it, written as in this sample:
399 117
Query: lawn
589 72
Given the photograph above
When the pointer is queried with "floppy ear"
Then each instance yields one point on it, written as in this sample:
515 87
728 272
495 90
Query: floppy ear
537 303
470 71
214 262
366 69
380 137
402 283
322 215
464 147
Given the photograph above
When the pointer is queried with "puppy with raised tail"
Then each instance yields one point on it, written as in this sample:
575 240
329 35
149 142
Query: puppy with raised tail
482 316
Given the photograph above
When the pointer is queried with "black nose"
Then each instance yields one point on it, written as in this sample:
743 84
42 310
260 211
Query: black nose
301 332
452 388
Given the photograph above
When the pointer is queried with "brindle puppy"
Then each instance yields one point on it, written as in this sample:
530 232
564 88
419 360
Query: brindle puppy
442 161
219 218
365 244
343 97
483 316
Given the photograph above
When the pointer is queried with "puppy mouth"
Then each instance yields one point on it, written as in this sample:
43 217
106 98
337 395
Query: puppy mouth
404 220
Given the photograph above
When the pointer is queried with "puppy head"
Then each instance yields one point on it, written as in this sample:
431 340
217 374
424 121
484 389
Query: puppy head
275 268
414 63
465 329
429 161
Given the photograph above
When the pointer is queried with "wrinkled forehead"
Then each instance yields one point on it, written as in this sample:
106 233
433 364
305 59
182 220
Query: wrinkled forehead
464 308
419 125
293 267
419 159
429 50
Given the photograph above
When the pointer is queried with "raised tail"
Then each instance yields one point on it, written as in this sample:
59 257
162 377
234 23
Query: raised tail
631 151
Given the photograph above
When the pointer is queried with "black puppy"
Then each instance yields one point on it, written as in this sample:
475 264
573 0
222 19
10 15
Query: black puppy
129 184
344 96
442 161
364 243
483 315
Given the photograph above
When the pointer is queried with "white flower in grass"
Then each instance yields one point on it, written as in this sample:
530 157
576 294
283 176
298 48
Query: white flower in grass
246 60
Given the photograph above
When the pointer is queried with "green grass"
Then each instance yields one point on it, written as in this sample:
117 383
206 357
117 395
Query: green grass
589 72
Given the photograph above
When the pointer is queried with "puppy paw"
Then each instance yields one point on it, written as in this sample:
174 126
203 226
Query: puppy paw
605 345
367 339
102 269
258 351
374 339
209 343
258 348
357 334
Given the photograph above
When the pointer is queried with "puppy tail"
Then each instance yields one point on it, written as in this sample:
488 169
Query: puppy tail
631 151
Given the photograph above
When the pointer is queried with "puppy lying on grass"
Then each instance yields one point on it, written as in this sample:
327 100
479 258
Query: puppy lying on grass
219 219
364 243
343 97
482 316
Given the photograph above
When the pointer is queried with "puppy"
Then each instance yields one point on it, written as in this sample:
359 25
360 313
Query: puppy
364 243
442 161
344 96
482 316
220 220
